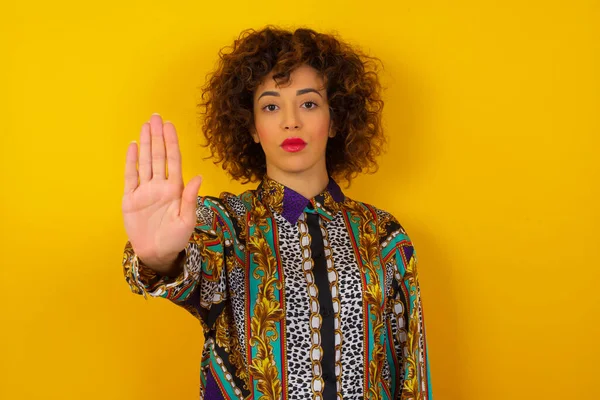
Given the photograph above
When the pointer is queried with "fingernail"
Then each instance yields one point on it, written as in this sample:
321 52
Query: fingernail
156 114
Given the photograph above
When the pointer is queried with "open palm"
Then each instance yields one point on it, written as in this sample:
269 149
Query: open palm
158 211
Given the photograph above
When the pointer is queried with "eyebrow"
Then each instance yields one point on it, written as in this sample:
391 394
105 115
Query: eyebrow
298 92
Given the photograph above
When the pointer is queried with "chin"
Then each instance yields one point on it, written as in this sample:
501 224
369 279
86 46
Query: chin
294 168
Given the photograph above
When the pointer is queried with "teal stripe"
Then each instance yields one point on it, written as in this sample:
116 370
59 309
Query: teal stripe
400 263
276 345
393 244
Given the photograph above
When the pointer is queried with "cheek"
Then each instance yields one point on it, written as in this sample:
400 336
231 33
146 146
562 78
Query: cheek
322 122
323 132
322 129
263 129
258 122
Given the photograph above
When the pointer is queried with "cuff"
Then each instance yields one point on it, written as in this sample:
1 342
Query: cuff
144 280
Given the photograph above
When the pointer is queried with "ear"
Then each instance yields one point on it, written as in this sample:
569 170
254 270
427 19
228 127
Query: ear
254 135
332 131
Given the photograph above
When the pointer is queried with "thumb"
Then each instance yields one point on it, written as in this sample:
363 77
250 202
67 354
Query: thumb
189 198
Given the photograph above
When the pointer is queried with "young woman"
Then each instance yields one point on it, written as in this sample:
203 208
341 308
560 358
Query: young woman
303 293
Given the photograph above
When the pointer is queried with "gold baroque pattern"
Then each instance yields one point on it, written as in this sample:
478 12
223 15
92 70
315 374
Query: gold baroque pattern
272 194
330 204
230 342
368 248
410 388
259 215
267 311
213 259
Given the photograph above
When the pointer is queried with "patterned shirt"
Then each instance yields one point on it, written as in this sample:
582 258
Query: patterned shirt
298 298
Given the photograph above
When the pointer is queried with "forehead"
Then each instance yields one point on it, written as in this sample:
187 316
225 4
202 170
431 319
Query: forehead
302 77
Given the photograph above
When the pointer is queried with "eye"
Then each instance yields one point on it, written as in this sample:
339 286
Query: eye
270 107
309 104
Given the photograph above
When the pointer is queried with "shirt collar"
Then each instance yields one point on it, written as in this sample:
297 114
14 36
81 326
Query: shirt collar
291 204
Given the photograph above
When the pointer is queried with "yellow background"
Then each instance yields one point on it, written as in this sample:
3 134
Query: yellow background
492 109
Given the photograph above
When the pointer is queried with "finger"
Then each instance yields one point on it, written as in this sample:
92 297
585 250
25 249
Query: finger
158 147
190 199
145 156
131 172
173 153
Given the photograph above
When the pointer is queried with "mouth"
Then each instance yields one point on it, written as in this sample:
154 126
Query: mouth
293 145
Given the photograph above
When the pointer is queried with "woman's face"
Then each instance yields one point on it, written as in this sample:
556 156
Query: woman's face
292 123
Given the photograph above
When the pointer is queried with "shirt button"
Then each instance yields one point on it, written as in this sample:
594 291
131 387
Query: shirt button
327 312
325 376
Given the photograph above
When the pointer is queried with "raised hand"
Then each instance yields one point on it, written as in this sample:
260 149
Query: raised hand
158 212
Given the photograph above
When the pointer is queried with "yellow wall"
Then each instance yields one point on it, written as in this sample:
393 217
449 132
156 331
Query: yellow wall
493 113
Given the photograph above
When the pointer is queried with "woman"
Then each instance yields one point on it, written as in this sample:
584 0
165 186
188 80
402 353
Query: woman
302 292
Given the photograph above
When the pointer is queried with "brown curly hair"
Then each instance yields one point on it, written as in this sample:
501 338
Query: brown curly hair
353 91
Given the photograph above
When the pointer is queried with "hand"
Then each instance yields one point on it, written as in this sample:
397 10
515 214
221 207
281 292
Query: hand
158 212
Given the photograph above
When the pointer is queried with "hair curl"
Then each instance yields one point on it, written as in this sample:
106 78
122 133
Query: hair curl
353 91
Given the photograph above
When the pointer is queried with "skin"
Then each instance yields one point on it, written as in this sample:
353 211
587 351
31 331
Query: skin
300 110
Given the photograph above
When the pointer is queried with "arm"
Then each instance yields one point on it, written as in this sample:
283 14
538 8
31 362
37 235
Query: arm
405 323
199 281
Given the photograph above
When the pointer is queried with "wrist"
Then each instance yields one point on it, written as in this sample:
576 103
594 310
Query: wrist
167 266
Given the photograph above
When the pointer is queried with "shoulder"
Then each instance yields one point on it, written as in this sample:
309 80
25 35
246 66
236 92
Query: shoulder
389 228
394 241
388 223
237 204
227 210
228 202
378 215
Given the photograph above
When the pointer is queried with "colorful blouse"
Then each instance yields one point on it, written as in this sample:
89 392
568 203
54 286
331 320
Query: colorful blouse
299 298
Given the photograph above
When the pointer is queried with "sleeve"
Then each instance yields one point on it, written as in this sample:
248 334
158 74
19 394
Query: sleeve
408 358
201 286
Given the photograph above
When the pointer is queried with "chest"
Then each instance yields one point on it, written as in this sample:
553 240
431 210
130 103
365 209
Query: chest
289 263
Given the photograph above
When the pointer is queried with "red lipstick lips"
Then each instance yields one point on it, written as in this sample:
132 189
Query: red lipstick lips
293 145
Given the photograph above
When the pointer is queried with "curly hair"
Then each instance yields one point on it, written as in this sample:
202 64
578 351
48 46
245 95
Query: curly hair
353 91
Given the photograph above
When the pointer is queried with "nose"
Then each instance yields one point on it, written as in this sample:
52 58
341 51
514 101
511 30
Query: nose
291 121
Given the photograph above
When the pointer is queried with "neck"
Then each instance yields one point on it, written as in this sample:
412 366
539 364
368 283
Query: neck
308 183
